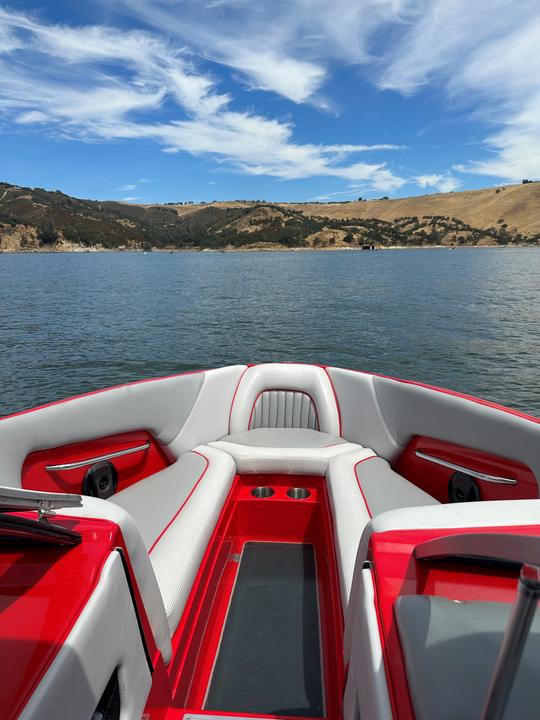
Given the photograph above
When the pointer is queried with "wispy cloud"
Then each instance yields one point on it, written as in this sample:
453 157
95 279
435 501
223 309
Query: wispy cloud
98 82
127 188
163 83
486 57
283 46
442 183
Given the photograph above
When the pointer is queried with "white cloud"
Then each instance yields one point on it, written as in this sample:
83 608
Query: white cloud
127 188
283 46
294 79
442 183
485 55
33 116
100 83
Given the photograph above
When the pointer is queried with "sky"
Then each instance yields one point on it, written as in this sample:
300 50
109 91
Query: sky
291 100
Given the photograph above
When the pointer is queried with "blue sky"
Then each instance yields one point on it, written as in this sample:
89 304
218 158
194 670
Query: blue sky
176 100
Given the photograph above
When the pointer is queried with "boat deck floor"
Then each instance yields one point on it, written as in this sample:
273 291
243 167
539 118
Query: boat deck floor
269 659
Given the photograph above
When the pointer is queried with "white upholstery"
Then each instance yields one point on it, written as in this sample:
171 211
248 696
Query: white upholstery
155 501
176 511
284 438
285 450
366 691
176 557
361 485
499 513
349 511
140 562
385 414
180 412
105 636
209 416
362 419
167 520
495 513
284 409
284 376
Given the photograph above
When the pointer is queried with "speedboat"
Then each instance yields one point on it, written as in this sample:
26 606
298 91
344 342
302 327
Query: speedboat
275 540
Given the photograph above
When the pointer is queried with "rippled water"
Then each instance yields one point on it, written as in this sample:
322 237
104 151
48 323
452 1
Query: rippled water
466 319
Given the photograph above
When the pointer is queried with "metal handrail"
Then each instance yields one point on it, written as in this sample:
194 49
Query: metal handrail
513 644
461 468
99 458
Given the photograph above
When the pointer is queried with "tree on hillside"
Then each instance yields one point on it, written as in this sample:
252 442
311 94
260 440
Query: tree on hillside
47 234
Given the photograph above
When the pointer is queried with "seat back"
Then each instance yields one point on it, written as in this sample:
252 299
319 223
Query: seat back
285 395
284 409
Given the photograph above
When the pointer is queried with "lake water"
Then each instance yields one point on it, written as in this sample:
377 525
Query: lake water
467 319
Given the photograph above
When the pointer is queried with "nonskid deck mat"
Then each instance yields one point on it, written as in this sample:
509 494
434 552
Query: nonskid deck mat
269 660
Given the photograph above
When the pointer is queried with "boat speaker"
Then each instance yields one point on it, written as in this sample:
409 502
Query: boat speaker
101 480
462 488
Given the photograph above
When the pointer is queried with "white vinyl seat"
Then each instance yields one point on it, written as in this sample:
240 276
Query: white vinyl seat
287 450
176 511
284 418
288 438
140 562
360 486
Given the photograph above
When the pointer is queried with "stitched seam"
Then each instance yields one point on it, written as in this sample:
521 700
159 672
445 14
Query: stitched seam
335 398
358 482
162 533
234 396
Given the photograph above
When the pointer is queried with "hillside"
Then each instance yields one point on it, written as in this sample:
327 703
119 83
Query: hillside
41 220
516 205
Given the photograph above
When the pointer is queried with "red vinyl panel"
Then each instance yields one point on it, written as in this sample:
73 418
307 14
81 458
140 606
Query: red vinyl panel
43 590
130 468
434 478
396 572
245 518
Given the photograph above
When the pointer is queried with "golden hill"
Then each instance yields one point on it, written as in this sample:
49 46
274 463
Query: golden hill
34 219
518 206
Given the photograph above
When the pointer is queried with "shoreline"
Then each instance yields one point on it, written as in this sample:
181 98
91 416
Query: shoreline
229 249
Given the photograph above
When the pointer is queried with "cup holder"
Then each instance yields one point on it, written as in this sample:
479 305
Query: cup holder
263 492
298 493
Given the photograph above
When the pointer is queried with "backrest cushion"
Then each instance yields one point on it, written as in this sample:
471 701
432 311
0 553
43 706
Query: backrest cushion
285 395
284 409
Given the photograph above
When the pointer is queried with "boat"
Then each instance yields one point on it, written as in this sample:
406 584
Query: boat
277 540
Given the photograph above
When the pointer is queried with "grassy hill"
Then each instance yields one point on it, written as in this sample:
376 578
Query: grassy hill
34 219
518 206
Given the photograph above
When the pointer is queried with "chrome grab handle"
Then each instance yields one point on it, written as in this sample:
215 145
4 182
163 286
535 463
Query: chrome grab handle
99 458
513 644
460 468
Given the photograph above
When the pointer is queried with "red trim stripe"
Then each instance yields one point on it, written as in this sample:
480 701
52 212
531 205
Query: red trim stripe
185 501
358 482
335 397
235 391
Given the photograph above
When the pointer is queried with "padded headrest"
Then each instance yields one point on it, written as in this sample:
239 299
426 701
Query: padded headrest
308 379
